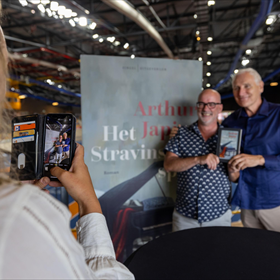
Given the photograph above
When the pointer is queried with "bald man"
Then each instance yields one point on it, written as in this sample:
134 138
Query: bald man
203 188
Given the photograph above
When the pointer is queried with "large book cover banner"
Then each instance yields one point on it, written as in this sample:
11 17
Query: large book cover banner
128 109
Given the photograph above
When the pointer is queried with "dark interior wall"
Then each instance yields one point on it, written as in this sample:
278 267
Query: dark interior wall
32 106
271 94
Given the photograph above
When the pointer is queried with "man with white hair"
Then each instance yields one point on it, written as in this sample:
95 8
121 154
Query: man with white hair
257 168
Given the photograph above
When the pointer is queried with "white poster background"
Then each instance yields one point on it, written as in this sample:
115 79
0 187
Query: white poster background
112 89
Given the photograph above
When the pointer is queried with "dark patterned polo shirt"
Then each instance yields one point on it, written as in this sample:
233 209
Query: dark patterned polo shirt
202 194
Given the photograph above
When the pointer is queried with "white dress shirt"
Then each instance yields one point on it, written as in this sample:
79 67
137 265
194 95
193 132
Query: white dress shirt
36 241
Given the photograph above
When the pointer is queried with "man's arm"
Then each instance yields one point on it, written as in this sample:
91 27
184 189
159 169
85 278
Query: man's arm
172 163
242 161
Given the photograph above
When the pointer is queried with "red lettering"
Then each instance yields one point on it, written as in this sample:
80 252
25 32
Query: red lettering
141 109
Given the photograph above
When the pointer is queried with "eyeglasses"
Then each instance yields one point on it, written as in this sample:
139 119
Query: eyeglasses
211 105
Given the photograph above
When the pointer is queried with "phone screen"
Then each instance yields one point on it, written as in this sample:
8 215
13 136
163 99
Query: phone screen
25 145
57 142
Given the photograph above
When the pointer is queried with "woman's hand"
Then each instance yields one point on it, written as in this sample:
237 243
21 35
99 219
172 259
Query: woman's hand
78 183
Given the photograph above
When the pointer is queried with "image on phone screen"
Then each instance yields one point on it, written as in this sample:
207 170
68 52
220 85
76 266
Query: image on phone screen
57 142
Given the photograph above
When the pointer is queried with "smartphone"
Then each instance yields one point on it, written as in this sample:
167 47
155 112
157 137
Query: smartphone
59 142
25 145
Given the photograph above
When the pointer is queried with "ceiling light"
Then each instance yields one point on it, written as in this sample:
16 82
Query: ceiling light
126 45
245 61
35 2
132 56
68 13
54 6
92 25
200 58
49 12
41 8
61 16
55 103
274 84
83 21
25 55
208 85
197 32
74 14
45 2
76 19
101 40
248 51
271 19
111 39
23 96
87 12
209 52
23 2
236 71
198 38
211 3
208 74
59 86
117 43
32 11
61 10
209 39
72 22
95 36
49 81
208 63
55 16
195 15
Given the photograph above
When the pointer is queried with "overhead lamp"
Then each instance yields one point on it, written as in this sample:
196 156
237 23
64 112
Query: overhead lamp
59 86
117 43
32 11
87 12
211 3
274 84
95 36
55 16
61 10
92 26
208 85
210 39
61 16
35 2
83 21
49 12
74 14
195 16
76 19
68 13
101 40
54 6
248 51
22 96
236 71
72 22
197 32
45 2
132 56
208 63
245 61
271 19
126 45
41 8
23 2
49 81
198 38
209 52
55 103
111 39
200 58
25 55
208 74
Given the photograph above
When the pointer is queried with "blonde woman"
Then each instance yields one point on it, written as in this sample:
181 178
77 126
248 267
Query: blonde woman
36 241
